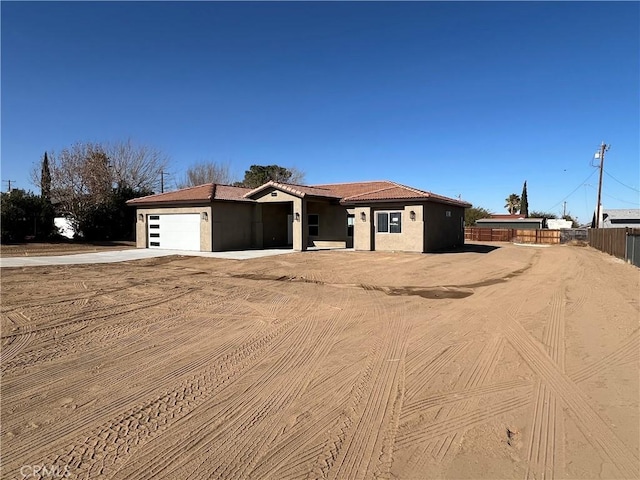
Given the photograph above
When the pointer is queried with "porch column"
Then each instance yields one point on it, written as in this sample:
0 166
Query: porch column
300 233
362 228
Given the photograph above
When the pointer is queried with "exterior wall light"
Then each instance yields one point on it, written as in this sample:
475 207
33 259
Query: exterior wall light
204 216
297 216
140 217
412 215
363 216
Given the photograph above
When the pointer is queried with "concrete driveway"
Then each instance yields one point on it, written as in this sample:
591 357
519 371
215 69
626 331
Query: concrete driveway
132 254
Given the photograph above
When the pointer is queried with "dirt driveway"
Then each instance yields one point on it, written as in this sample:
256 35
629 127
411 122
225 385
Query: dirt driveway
512 362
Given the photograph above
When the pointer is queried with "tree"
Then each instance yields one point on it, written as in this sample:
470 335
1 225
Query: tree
135 166
45 179
471 215
83 176
23 215
207 172
513 203
524 201
112 219
536 214
260 174
47 211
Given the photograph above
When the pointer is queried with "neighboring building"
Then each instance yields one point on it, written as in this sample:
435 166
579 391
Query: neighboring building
558 223
365 215
64 226
620 218
517 223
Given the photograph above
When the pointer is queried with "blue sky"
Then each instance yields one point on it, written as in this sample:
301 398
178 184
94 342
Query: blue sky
458 98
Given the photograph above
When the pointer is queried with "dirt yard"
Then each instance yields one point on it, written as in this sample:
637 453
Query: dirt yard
37 249
516 362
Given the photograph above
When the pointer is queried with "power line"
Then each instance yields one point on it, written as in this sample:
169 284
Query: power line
573 191
623 184
612 197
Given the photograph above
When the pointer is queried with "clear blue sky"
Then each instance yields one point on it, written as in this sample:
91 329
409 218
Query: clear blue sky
454 97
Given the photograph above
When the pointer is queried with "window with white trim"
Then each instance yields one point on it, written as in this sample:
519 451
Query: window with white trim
389 222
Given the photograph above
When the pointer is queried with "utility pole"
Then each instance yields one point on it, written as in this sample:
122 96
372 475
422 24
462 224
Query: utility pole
600 155
564 209
162 174
9 182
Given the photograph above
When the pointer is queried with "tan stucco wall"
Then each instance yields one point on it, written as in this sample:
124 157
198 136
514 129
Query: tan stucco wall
362 230
442 232
232 225
411 237
205 226
265 196
333 224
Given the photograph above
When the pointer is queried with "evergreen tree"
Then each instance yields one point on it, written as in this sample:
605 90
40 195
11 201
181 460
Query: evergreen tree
524 202
45 179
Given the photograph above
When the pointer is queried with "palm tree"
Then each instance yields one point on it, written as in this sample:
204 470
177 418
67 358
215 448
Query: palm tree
513 203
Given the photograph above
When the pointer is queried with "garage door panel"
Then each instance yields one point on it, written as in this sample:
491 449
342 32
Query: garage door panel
174 231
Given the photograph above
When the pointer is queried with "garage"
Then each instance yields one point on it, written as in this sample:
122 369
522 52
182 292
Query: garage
174 231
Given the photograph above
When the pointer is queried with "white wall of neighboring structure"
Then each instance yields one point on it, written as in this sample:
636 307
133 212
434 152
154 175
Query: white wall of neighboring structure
64 227
558 223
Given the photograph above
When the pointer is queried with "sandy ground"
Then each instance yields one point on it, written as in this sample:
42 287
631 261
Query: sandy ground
514 362
37 249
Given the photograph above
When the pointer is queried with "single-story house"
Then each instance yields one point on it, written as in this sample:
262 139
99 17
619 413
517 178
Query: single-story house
620 218
517 223
379 215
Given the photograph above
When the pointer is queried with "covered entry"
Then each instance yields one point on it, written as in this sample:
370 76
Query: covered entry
277 224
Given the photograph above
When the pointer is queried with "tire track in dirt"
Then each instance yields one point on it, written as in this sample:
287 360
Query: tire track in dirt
149 369
464 421
595 429
476 376
227 358
137 425
545 453
627 352
240 421
107 313
360 448
15 345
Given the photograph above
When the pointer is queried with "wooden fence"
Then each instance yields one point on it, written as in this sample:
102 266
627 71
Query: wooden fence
612 240
539 236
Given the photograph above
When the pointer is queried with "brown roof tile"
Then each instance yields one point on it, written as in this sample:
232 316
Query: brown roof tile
199 194
299 190
385 190
354 192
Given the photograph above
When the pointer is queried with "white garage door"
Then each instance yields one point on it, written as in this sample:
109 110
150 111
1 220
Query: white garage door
175 231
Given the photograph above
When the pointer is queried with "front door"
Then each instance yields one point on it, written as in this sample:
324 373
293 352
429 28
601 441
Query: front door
350 222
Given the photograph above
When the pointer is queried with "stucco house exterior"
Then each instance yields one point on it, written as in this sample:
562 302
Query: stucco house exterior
380 215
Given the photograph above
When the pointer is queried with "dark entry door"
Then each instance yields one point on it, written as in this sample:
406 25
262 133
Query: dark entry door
350 222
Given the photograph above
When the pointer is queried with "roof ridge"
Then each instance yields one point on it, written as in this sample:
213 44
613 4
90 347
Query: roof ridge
413 189
353 183
369 192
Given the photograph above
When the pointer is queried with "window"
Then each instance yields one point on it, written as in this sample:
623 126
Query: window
389 222
313 221
154 226
154 235
154 217
154 244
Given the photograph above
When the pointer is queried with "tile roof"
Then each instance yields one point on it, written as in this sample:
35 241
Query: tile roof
200 193
298 190
348 193
385 190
